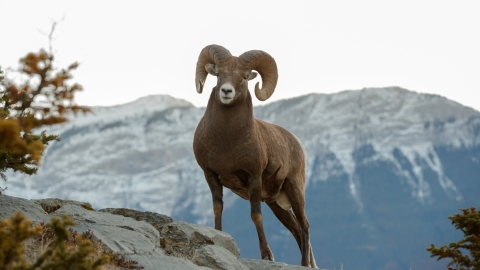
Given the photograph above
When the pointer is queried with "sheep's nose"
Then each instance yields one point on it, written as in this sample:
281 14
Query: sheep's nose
226 90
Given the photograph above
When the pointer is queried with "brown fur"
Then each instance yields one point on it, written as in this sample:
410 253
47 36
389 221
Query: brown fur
254 159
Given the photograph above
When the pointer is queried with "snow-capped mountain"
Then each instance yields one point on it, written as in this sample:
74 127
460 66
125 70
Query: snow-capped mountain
385 122
384 165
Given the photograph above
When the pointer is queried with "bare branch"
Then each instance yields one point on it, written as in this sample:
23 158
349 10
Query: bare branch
50 36
52 30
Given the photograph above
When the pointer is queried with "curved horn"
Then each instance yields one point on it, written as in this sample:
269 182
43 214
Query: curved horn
212 54
266 66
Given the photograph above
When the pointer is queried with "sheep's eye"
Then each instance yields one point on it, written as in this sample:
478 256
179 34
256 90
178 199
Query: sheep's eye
216 73
245 77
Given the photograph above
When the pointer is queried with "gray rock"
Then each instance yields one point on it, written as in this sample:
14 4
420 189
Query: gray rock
120 234
151 262
217 258
10 205
52 204
182 239
155 219
264 264
151 239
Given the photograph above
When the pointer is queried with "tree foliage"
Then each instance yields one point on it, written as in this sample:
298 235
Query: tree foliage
39 96
15 231
469 223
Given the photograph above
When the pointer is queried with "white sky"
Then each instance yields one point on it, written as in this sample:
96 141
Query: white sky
130 49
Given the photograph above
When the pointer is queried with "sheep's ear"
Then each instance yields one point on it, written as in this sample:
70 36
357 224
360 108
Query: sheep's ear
211 69
253 75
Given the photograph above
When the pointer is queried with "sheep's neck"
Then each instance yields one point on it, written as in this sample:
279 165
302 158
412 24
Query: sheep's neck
231 122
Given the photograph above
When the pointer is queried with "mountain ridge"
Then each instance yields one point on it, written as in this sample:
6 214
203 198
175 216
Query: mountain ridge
368 151
337 124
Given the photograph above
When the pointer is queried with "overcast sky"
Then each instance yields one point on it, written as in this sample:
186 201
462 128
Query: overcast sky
130 49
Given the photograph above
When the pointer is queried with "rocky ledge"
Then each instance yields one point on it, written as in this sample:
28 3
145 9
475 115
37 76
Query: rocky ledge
155 241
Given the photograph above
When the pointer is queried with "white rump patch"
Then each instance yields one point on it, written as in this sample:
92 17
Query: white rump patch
227 93
283 200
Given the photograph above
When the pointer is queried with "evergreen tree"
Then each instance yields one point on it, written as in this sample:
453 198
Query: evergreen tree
469 223
39 96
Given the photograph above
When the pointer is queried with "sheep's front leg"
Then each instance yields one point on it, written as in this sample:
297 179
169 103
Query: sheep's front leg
255 193
217 196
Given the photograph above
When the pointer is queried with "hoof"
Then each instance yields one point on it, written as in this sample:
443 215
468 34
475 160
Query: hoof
267 258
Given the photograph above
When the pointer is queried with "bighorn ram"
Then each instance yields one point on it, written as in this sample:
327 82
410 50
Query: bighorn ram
258 161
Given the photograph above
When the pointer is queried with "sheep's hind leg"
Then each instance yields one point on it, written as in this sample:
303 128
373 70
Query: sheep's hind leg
296 195
255 192
288 220
217 196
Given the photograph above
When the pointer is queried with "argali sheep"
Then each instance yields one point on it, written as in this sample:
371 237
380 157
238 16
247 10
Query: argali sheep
258 161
